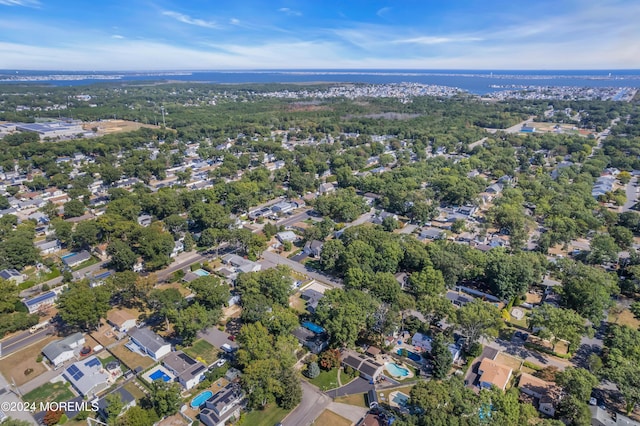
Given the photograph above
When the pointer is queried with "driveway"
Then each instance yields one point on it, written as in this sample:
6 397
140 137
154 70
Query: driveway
358 385
216 337
312 405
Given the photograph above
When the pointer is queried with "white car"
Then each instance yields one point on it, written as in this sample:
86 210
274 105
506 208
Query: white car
220 362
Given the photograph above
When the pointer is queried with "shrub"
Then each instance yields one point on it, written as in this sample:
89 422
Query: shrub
45 287
474 350
313 370
348 370
39 358
330 359
28 371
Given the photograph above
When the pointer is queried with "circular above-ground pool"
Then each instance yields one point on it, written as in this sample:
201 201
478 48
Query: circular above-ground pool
201 398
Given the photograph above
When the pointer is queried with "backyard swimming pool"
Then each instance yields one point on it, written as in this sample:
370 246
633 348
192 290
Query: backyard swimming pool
400 399
68 255
313 327
395 370
201 398
201 272
411 355
159 375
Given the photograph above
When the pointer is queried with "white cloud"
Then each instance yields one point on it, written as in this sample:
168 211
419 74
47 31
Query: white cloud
289 12
25 3
383 11
186 19
437 40
234 21
117 36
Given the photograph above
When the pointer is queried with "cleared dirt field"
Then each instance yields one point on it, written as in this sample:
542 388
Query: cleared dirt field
106 127
14 366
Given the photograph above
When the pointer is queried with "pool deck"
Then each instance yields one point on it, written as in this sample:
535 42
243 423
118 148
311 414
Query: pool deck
147 376
402 365
392 396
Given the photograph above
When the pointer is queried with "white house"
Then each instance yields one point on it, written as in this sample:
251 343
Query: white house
149 342
121 320
48 247
41 301
63 350
88 376
188 371
222 406
285 236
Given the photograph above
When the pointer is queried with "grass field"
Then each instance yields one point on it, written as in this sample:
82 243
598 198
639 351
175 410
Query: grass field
326 380
134 390
624 318
329 418
49 392
203 349
357 399
14 366
509 361
267 417
131 359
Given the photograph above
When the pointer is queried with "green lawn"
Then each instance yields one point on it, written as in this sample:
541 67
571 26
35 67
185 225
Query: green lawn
134 390
87 263
326 380
107 360
49 392
203 349
267 417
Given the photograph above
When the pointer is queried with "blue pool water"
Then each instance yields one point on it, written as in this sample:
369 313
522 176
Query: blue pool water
411 355
201 272
159 374
400 399
313 327
201 398
396 370
68 255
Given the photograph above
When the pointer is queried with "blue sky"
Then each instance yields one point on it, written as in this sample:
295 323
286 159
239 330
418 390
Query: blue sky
285 34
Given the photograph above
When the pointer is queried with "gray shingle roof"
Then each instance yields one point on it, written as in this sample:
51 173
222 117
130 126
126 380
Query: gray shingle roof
147 338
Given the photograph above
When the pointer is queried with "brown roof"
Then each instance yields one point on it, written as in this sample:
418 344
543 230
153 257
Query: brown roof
495 373
373 351
370 420
119 317
547 390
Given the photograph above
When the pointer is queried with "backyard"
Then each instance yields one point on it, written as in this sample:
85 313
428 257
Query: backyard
15 365
131 359
201 349
50 392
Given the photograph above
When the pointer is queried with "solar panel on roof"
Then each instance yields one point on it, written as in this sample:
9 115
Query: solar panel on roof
74 372
93 362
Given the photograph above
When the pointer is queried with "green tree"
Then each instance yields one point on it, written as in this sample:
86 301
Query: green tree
274 283
82 306
137 416
85 234
603 249
292 395
477 320
313 370
165 398
344 314
210 291
114 406
574 411
577 382
73 208
558 324
587 290
63 230
622 236
122 257
165 302
442 358
187 322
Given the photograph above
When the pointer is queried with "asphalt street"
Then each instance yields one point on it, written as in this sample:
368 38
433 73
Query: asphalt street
24 339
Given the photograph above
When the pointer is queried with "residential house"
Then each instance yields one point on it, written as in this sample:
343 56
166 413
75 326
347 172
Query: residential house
315 342
494 189
312 297
121 320
367 368
12 275
600 417
59 351
88 376
493 373
372 419
188 371
326 188
240 264
145 219
223 405
283 207
546 394
380 217
76 259
149 342
40 302
101 251
431 234
48 247
313 248
421 341
178 247
457 298
286 236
